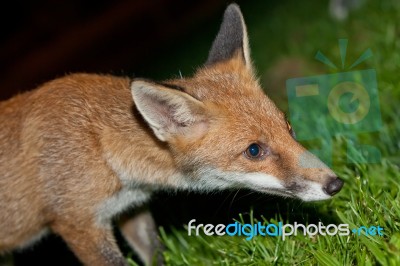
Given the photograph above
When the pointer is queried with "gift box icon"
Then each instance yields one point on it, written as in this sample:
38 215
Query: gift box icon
343 103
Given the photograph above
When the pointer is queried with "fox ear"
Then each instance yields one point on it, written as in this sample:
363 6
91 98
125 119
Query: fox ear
169 112
232 39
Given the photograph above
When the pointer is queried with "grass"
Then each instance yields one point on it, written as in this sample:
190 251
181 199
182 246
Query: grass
292 32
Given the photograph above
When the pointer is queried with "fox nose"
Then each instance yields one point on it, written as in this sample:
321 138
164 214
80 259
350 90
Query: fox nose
334 186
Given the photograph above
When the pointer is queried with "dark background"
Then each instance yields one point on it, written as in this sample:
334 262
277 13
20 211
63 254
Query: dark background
42 40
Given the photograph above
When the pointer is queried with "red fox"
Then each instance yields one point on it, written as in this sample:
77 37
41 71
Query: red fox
78 151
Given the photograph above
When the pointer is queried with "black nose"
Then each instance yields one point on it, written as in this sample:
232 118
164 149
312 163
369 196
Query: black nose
334 186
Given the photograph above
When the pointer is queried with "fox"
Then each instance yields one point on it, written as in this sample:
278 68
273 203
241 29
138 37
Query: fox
80 151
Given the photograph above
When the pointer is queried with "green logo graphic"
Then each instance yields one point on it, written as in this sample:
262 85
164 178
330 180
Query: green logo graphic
344 103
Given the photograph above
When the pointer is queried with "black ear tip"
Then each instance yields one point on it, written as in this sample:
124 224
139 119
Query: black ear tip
230 36
233 9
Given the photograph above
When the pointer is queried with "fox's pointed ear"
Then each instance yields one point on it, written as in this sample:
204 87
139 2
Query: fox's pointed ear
169 112
232 39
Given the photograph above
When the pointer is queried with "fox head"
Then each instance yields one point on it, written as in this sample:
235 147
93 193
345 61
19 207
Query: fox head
224 132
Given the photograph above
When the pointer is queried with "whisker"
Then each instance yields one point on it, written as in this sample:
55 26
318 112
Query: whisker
248 194
222 203
233 199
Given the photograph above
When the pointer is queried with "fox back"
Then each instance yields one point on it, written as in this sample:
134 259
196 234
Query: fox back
80 150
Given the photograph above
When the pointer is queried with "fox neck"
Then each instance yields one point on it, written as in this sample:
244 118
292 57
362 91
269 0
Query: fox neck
151 166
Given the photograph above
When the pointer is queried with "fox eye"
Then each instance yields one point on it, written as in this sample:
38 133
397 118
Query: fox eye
254 151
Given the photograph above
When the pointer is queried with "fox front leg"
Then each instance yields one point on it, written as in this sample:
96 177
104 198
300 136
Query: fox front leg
140 231
91 244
